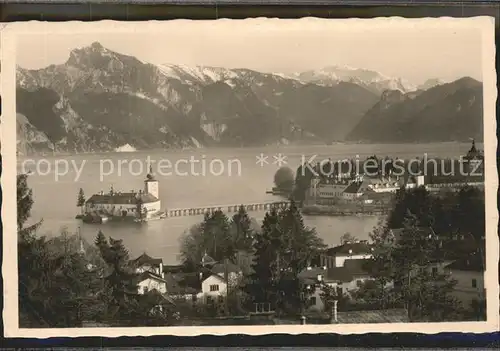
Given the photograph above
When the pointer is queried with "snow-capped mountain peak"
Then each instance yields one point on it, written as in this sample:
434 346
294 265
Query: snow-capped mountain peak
335 74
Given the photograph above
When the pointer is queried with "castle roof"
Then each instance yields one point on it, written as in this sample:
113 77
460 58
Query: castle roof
119 198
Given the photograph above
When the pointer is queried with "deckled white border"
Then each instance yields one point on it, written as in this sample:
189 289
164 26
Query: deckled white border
8 138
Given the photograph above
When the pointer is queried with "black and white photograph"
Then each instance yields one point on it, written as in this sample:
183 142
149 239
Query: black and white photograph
250 176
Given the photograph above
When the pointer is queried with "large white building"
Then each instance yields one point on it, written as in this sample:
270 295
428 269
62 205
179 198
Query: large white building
143 203
333 190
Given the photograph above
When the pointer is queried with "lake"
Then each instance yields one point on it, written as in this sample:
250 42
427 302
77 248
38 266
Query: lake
192 178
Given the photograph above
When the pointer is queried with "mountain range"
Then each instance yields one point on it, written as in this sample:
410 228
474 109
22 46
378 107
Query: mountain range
101 100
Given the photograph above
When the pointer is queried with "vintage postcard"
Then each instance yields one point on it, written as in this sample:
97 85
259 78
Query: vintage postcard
249 176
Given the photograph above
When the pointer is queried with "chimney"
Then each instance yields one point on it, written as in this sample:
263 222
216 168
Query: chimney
201 276
320 277
309 268
324 268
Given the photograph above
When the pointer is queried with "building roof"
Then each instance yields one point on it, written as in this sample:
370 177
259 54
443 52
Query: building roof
176 268
219 268
145 259
214 275
334 274
356 248
158 298
150 275
207 260
472 263
118 198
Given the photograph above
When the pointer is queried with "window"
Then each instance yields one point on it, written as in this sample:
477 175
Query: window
145 289
209 300
312 301
434 270
214 287
221 299
359 283
474 283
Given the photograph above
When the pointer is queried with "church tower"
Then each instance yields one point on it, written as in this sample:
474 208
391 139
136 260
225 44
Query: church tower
151 184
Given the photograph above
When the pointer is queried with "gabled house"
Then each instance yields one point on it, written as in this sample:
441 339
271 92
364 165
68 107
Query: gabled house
151 275
469 274
146 263
149 281
234 273
207 286
344 279
336 256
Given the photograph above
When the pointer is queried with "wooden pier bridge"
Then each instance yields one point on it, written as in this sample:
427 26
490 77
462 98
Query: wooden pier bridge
195 211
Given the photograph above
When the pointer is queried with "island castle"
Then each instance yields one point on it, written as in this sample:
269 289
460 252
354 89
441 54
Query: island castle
142 204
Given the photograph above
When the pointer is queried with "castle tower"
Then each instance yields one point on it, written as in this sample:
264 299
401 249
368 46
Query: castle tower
151 184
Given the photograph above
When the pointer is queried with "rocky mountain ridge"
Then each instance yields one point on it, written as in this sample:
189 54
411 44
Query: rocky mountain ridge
101 100
447 112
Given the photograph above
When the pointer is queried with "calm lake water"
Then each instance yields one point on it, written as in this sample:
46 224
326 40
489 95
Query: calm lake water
235 179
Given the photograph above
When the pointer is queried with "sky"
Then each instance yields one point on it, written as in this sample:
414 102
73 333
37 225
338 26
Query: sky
412 52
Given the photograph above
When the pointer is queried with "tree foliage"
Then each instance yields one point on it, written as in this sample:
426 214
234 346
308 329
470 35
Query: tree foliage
219 237
81 198
283 248
284 179
415 260
61 286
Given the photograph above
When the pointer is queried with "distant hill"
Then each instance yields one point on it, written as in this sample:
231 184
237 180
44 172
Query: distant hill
447 112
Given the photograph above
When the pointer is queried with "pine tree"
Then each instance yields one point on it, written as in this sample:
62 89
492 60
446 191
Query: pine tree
410 263
218 241
243 234
80 202
24 205
300 246
120 281
54 282
263 283
301 243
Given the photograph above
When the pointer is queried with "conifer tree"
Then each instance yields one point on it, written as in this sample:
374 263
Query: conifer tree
80 202
263 282
243 234
414 263
54 282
